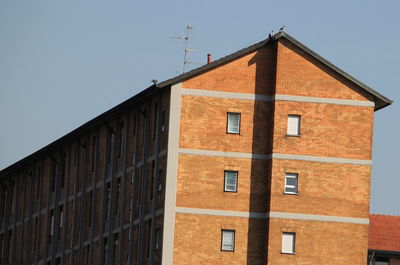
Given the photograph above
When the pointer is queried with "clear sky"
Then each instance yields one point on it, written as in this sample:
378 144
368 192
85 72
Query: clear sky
65 62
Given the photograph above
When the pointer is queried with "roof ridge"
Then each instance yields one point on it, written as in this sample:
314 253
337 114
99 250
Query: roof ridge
381 214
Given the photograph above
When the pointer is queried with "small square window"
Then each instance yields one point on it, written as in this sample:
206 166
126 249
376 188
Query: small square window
228 240
291 183
233 123
230 183
293 125
288 243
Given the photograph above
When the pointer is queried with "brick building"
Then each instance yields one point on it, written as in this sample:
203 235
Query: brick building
261 157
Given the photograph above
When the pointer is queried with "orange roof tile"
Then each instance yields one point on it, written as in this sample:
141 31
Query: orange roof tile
384 232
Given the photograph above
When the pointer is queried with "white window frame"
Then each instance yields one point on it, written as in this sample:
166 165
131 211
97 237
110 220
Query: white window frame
230 130
381 262
296 130
226 185
288 238
225 245
296 186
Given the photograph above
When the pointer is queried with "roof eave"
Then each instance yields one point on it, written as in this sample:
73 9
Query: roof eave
81 129
380 100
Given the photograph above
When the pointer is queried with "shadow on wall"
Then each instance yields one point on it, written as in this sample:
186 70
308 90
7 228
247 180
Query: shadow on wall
260 181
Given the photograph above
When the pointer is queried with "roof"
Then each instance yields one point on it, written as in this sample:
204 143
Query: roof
380 100
384 233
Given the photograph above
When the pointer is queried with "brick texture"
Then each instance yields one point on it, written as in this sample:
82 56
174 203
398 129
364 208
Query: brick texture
384 232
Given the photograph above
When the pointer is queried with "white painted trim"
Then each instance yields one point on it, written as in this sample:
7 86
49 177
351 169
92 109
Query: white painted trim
223 154
316 217
171 175
212 212
323 159
347 102
280 215
231 95
281 97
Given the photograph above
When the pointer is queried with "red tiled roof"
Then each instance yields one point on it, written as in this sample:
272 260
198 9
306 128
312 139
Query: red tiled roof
384 232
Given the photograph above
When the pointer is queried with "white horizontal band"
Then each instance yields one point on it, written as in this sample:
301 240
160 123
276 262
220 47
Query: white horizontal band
280 215
315 217
323 159
219 94
223 154
348 102
221 213
268 98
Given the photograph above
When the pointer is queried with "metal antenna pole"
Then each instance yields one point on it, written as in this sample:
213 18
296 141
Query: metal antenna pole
188 27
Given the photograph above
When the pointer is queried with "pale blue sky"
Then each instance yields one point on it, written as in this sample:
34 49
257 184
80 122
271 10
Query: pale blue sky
65 62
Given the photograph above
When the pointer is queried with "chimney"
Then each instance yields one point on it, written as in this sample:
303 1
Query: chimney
209 58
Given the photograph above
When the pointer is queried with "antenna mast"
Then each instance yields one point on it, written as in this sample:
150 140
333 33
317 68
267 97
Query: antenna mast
187 50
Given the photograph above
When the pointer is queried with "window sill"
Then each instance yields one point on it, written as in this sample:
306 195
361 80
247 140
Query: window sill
290 193
293 135
289 253
234 133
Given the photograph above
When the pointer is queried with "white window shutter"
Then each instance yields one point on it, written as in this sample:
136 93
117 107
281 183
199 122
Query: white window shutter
228 240
288 241
231 181
293 125
233 123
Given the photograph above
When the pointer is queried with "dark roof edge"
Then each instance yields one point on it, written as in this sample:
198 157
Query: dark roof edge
381 101
216 63
81 129
386 252
384 100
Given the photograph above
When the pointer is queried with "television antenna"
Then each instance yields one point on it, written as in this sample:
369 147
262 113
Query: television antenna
187 50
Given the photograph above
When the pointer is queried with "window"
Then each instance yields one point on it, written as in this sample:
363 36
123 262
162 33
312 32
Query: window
13 196
54 176
60 221
118 195
233 123
288 242
121 139
148 238
381 263
230 184
108 202
63 167
51 232
38 183
105 250
153 176
116 248
293 125
291 183
110 146
163 121
10 246
89 210
1 246
160 180
157 247
155 120
134 124
94 140
228 240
